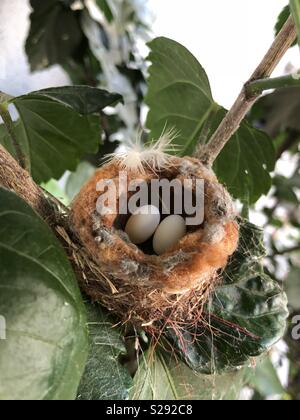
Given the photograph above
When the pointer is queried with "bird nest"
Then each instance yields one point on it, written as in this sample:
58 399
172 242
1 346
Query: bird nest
148 290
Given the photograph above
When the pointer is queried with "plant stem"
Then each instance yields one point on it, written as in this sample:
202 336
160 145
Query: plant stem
230 124
17 179
8 122
257 87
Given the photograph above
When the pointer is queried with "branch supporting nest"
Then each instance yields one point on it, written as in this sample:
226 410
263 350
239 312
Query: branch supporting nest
16 179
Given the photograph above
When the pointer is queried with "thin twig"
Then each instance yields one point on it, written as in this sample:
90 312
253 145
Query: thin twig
234 117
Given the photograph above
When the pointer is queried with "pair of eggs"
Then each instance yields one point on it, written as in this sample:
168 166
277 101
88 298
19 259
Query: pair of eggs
146 221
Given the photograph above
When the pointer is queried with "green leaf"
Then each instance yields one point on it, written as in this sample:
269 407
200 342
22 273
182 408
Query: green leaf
179 96
78 178
246 317
161 377
106 9
179 93
292 286
44 354
246 320
104 378
82 99
250 250
265 379
84 68
55 134
55 34
295 10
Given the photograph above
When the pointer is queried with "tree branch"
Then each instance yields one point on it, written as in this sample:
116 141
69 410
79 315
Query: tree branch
230 124
15 178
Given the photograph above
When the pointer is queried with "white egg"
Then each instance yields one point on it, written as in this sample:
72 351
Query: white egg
168 233
142 224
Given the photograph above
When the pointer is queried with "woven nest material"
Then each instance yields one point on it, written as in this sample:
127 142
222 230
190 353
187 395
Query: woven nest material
151 290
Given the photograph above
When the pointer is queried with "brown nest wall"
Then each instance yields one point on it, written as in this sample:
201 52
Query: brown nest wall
148 289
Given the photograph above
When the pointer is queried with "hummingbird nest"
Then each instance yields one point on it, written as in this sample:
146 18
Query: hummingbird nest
148 290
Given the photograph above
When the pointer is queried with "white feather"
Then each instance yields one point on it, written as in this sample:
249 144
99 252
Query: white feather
155 155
